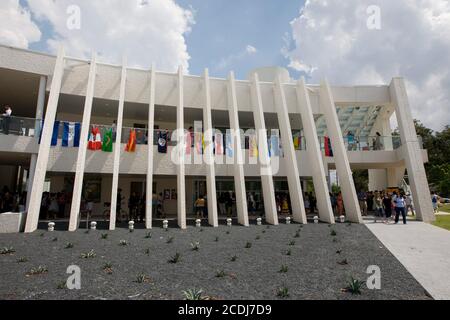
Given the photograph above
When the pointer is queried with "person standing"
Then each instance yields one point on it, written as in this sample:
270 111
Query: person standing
6 119
340 204
378 201
333 200
61 204
200 207
400 206
377 144
387 206
362 198
119 205
409 205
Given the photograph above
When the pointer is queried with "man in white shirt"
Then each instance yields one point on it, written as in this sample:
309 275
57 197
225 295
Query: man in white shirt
409 204
6 119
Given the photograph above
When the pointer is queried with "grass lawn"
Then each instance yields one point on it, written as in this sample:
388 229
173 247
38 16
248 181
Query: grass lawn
445 208
443 221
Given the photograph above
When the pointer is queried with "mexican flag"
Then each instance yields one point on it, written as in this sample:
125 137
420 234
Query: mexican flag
107 141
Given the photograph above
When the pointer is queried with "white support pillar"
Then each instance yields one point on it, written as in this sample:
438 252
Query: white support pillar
412 151
81 160
239 177
344 172
290 157
44 148
151 125
315 154
208 155
39 116
181 179
118 147
263 152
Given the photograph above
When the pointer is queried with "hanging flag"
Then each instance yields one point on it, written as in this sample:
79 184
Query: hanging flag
218 143
297 141
55 134
71 135
189 141
95 140
108 141
253 146
275 143
131 145
229 144
198 136
328 148
162 141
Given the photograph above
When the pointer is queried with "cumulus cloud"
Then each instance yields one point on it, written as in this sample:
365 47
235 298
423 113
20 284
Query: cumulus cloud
146 31
331 39
16 27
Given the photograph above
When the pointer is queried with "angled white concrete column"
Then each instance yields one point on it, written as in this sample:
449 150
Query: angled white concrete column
344 172
44 148
208 155
412 151
263 153
181 179
315 154
39 116
290 157
151 125
81 160
118 147
238 168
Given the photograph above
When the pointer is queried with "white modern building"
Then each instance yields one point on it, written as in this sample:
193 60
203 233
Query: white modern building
43 89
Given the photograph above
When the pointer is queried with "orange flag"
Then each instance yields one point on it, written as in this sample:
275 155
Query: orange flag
131 145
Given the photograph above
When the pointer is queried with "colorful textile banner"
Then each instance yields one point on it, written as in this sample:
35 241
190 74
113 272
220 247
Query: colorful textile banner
253 146
328 148
108 141
131 145
297 141
55 134
162 141
218 143
71 135
229 144
198 137
95 140
274 143
189 142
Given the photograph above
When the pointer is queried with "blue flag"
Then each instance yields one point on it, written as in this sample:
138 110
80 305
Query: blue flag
71 135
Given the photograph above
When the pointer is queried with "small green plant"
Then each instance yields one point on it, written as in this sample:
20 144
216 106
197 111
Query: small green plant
131 230
264 231
7 250
233 258
87 231
268 227
283 269
216 239
292 243
343 262
339 251
193 294
228 232
220 274
248 245
170 240
107 267
37 271
333 233
22 260
104 236
335 240
88 255
69 245
147 251
349 224
142 278
289 252
42 234
61 285
148 235
297 234
175 259
195 246
283 292
201 230
258 237
54 239
123 243
354 286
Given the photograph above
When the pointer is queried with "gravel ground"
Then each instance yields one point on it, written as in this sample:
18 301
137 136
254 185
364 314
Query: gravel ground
313 271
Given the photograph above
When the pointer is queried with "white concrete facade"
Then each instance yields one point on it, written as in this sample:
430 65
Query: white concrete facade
280 104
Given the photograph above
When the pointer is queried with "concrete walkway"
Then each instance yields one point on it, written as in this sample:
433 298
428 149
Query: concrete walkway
423 249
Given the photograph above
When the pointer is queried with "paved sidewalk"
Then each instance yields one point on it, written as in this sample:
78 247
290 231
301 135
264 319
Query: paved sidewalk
423 249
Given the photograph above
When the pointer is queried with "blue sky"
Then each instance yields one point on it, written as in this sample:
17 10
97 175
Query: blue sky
225 27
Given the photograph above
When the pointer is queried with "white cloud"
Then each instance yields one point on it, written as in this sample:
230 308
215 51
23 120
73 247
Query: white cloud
146 31
16 27
226 62
331 39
